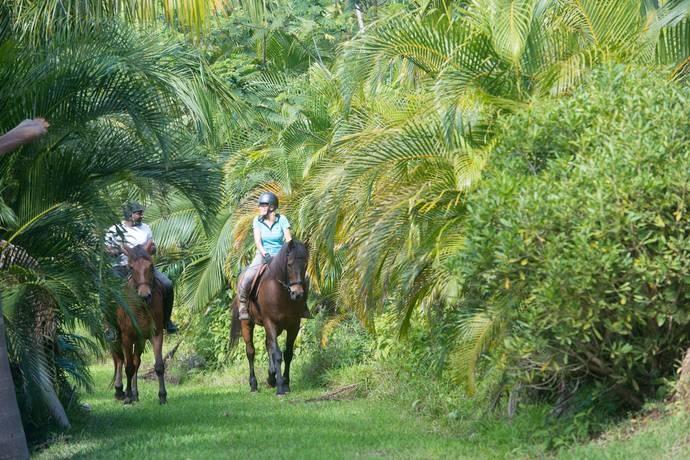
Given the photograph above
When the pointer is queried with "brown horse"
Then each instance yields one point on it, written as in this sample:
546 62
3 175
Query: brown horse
280 300
145 298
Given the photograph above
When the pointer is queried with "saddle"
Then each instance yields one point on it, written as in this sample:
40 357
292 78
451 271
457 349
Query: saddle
256 282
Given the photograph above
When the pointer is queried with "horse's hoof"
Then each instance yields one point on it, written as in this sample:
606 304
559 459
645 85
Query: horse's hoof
128 401
253 389
119 395
271 382
162 401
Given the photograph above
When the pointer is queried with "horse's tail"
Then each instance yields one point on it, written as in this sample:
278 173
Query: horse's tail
235 325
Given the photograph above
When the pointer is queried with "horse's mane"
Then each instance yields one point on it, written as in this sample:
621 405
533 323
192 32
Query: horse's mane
278 267
138 252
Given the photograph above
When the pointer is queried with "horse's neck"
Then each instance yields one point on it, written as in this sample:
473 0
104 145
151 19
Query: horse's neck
275 270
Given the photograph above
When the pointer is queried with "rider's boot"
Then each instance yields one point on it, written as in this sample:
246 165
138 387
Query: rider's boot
306 313
168 300
110 334
170 327
243 310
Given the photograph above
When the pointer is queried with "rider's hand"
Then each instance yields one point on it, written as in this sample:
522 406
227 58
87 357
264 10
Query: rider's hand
267 258
24 132
31 129
113 250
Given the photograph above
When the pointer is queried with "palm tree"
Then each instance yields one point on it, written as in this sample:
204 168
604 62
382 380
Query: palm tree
40 18
13 440
419 95
127 113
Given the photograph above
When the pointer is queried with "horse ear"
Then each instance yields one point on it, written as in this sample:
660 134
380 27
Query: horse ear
149 246
291 244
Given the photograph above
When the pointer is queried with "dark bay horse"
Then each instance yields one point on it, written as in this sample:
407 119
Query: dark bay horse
278 305
145 298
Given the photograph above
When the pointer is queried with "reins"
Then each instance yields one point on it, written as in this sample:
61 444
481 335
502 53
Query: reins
294 283
287 284
150 285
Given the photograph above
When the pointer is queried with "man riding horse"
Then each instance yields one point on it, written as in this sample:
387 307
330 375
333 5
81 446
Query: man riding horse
271 231
132 232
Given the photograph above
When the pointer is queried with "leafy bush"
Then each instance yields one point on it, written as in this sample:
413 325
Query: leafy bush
578 244
207 333
327 345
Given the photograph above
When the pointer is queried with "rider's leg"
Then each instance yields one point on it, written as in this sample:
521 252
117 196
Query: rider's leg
168 299
306 313
245 284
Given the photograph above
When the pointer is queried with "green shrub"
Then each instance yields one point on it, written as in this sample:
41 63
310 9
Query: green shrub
325 348
207 334
578 242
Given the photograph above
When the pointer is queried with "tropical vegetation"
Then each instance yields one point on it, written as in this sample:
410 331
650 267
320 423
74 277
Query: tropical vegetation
497 183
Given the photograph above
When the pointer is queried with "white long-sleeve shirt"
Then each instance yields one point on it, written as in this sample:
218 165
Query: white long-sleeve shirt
121 234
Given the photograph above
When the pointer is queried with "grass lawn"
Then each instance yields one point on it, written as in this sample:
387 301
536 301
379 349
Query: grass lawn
667 437
217 417
214 416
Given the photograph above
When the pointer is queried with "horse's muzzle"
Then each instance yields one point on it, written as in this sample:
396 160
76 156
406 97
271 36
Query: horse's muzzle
145 295
296 290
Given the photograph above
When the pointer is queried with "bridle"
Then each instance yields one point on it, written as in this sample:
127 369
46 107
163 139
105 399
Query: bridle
287 284
138 285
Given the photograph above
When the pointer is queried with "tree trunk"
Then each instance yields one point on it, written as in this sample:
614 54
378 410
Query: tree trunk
360 16
12 439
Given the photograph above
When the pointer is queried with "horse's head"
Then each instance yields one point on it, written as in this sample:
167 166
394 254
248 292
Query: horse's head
141 269
297 259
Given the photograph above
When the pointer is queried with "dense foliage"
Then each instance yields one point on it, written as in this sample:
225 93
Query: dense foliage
577 243
119 130
460 178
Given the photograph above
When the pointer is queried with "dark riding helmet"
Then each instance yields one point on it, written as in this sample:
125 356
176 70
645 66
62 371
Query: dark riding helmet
269 198
130 208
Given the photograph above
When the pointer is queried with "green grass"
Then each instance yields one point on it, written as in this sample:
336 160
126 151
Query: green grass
214 416
667 437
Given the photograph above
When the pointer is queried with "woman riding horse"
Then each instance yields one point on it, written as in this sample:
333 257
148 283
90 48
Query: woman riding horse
271 231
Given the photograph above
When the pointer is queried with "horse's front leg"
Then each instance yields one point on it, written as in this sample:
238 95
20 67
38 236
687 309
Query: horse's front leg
127 349
138 349
248 335
289 349
271 380
117 363
159 366
276 356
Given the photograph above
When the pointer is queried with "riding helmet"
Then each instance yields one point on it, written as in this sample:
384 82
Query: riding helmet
269 198
130 208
